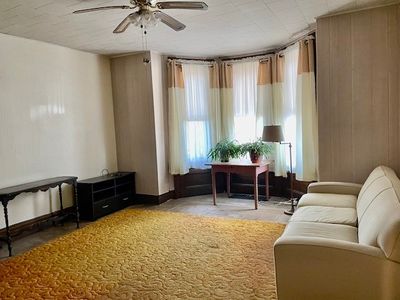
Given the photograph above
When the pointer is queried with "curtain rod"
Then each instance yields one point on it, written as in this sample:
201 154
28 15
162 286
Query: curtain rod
309 35
193 59
261 55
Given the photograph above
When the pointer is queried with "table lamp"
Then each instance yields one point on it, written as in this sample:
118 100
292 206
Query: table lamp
274 134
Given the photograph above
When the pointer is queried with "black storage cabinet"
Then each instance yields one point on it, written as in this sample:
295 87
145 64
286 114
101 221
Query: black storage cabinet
100 196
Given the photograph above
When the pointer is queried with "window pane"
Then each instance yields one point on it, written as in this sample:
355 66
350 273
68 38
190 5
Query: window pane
245 100
197 133
196 79
197 142
245 126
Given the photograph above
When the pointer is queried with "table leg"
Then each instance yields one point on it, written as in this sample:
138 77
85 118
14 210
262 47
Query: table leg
76 203
255 179
228 184
8 233
61 201
214 188
267 185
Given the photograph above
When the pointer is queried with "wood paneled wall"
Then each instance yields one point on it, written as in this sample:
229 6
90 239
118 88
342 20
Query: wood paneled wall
140 110
358 81
134 120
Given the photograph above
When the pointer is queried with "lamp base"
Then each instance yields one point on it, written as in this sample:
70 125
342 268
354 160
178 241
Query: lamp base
292 209
289 211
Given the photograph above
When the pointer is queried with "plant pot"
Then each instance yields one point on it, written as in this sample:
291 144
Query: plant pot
224 156
255 157
225 159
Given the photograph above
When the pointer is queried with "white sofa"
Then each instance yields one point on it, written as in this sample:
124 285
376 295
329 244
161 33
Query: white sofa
343 242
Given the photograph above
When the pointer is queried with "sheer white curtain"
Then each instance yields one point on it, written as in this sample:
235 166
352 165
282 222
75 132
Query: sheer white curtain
196 115
200 97
289 106
307 125
245 100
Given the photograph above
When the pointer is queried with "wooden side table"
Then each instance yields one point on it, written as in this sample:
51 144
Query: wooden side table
241 167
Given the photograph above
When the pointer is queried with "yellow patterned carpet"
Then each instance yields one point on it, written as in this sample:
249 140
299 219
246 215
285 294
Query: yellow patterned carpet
140 254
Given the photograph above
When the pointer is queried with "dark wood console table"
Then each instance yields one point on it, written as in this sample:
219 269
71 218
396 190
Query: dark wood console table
253 169
9 193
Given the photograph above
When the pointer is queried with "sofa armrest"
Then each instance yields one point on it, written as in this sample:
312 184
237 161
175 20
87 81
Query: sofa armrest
318 268
335 188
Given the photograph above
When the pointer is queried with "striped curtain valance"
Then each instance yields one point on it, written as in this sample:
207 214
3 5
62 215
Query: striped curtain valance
175 75
214 75
226 75
271 70
306 56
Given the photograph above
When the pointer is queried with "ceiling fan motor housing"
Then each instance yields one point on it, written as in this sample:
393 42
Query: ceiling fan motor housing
141 2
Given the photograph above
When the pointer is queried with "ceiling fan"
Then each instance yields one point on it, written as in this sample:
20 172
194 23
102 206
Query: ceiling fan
148 13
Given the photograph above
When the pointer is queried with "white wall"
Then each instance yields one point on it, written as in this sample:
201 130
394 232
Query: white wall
56 118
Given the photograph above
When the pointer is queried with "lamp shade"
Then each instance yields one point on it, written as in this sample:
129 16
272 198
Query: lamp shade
273 133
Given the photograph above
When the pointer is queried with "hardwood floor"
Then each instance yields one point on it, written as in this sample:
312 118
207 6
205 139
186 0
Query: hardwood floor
271 211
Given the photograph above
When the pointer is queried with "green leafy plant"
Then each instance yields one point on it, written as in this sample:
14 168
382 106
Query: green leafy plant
256 149
225 150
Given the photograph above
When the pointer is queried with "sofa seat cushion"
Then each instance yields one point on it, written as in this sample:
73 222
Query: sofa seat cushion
332 200
324 214
322 230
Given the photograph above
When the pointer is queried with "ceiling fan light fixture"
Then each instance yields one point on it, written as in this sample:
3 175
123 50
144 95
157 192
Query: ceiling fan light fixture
146 19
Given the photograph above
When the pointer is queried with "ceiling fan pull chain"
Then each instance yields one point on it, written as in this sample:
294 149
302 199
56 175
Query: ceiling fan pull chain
143 47
145 40
144 44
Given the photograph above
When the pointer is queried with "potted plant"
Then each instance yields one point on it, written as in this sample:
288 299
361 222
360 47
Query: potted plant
256 149
225 150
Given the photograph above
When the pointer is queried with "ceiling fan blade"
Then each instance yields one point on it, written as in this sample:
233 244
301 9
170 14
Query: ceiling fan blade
125 23
182 5
81 11
170 21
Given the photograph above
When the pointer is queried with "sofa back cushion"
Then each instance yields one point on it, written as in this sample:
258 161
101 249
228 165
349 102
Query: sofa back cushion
378 212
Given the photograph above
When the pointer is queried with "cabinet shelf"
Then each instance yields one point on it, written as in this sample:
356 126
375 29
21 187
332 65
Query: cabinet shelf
102 190
100 196
122 184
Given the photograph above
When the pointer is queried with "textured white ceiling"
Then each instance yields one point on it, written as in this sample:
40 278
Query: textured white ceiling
229 27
